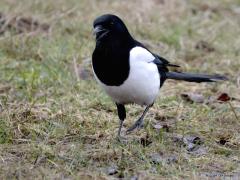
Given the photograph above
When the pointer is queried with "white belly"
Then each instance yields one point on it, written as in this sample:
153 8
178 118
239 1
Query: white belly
141 87
143 83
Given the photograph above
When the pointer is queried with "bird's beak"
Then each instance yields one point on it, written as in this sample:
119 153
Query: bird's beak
99 31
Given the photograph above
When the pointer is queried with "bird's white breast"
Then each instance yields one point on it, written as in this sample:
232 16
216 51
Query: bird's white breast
143 83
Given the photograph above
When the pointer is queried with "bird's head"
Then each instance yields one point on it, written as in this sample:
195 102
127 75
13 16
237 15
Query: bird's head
109 26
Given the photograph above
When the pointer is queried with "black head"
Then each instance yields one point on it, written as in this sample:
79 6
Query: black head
108 26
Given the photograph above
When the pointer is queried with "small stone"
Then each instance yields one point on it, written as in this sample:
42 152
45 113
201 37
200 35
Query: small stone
158 126
112 170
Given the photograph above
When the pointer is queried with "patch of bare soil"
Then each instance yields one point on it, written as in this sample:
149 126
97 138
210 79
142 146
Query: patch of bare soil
19 25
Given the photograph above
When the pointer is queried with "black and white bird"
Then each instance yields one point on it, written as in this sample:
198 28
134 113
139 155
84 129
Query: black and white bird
128 71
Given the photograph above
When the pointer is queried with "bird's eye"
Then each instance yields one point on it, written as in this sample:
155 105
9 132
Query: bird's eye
111 23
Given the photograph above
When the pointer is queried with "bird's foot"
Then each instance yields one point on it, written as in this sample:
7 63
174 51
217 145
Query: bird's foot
138 124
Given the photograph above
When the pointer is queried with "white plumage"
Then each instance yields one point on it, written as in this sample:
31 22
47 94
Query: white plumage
143 83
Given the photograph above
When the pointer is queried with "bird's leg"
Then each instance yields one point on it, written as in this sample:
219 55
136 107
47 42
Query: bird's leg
122 115
139 122
120 127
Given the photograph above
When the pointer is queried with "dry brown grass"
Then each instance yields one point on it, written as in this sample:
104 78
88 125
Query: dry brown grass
55 125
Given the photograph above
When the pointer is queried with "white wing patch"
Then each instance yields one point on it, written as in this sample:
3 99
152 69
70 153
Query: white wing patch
143 83
141 54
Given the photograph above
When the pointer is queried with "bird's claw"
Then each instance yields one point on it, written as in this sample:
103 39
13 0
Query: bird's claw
138 124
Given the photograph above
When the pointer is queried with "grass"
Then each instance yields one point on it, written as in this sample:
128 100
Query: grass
55 125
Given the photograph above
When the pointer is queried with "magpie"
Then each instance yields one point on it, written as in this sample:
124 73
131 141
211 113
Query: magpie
128 71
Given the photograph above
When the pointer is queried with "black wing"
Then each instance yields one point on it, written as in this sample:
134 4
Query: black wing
163 61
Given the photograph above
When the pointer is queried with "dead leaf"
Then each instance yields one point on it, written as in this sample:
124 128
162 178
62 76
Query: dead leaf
204 46
145 141
193 97
224 97
199 98
162 125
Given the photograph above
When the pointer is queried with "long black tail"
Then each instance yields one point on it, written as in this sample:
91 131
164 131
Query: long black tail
191 77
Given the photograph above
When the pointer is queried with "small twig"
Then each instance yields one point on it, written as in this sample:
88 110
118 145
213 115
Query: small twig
52 162
2 159
233 110
36 160
76 67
